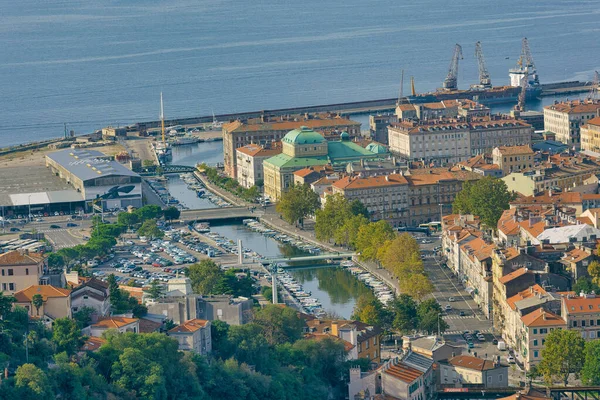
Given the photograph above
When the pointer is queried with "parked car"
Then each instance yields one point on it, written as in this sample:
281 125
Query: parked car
450 299
54 226
13 229
448 307
71 224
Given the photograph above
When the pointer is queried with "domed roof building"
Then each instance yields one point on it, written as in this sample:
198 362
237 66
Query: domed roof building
303 148
377 148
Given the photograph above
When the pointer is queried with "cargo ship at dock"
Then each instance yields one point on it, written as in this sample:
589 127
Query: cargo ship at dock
488 96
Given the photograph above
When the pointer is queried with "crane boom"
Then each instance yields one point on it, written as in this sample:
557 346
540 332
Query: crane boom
526 57
450 83
484 75
401 94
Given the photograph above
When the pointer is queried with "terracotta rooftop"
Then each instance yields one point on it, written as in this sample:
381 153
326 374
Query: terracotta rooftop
513 275
190 326
92 343
525 294
114 322
576 255
575 107
304 172
148 326
349 182
594 121
507 223
546 198
403 372
534 229
477 161
512 150
16 257
541 317
478 249
590 196
26 295
254 150
582 305
470 362
528 394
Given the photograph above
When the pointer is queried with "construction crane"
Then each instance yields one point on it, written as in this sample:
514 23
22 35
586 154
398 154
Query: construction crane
523 93
526 61
594 88
484 75
450 83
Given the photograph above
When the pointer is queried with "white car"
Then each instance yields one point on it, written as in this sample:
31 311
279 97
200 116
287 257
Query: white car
451 299
448 307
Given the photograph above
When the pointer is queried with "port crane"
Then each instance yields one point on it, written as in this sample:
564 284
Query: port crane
450 83
526 60
523 93
485 81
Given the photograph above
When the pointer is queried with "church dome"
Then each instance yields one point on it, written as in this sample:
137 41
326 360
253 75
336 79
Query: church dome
376 148
303 135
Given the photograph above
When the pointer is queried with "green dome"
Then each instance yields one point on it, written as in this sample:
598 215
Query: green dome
304 135
376 148
344 136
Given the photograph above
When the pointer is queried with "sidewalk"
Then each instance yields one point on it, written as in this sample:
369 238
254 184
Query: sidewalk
230 197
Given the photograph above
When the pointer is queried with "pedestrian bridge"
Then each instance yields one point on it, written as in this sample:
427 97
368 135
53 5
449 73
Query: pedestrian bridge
329 256
219 214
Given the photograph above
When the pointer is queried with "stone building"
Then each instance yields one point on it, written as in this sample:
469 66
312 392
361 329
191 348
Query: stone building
590 135
565 119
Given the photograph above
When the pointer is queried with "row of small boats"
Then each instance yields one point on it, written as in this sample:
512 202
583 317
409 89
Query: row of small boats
381 291
310 304
256 226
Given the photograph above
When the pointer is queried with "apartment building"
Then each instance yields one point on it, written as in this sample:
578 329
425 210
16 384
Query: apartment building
378 127
20 270
56 302
385 197
583 314
193 335
439 142
534 329
513 158
566 118
250 163
469 371
263 131
590 135
490 132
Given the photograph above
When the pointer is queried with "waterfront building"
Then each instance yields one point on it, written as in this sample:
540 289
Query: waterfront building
590 135
304 148
263 131
378 127
490 132
56 302
433 141
20 270
474 372
384 196
566 118
250 163
513 158
96 176
193 335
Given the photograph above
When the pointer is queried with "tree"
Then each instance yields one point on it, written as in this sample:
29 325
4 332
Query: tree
594 271
6 303
37 300
404 309
428 312
562 355
33 381
402 256
148 212
171 213
83 317
279 324
370 311
585 285
156 290
68 254
55 260
297 203
417 286
347 233
487 198
148 163
370 238
590 373
150 230
204 276
66 335
334 214
136 372
128 219
358 208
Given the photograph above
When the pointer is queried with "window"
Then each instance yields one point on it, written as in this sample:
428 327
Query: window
10 272
4 286
583 323
500 378
489 380
26 271
535 353
367 344
3 272
375 340
535 342
535 331
11 286
574 324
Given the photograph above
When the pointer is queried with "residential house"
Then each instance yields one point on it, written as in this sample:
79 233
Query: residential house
590 134
576 261
513 158
193 335
56 302
434 348
120 324
250 163
566 118
20 269
472 372
582 313
93 294
402 381
535 327
476 272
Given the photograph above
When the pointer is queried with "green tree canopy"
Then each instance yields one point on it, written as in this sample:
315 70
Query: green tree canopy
585 285
404 309
563 354
590 373
128 219
371 237
371 311
33 382
150 230
156 290
148 212
297 203
66 335
279 324
204 276
487 198
170 213
428 312
594 271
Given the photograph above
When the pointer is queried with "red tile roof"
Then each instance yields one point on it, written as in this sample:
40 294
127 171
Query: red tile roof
512 150
47 291
370 182
513 275
16 257
403 372
92 343
190 326
582 305
541 317
470 362
254 150
525 294
114 322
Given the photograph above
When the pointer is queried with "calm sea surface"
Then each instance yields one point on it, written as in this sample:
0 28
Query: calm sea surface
91 64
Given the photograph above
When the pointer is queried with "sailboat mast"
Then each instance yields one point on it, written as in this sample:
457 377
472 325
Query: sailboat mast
162 119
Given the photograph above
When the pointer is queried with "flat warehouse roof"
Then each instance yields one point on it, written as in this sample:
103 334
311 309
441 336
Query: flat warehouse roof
30 180
88 164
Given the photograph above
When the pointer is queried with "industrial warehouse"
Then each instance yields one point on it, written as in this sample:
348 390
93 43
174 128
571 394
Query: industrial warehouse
71 180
